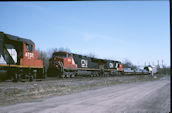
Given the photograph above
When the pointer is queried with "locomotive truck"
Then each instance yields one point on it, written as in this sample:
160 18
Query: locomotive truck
65 64
18 59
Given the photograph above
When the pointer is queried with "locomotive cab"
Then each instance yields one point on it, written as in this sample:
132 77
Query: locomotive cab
59 62
18 58
65 58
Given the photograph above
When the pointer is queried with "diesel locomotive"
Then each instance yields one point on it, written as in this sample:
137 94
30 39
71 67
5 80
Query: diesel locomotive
64 64
18 59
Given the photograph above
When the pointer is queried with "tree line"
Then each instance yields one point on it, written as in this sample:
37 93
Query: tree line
46 55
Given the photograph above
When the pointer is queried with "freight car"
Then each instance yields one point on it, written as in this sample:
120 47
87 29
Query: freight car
129 71
64 64
18 59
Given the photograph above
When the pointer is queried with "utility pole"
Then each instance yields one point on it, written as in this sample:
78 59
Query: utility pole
162 64
158 67
158 63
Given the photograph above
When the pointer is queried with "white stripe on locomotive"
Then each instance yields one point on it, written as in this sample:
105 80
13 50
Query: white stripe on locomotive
12 52
2 60
111 65
116 65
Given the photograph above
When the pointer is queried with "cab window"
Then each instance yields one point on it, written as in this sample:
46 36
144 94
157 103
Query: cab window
69 55
62 55
29 47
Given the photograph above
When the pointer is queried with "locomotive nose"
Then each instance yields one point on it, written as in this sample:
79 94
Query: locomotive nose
58 61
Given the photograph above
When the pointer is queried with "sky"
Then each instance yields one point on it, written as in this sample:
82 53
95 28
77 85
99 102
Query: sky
138 31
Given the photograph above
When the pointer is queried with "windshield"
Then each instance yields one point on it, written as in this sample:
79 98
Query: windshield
69 55
62 55
29 47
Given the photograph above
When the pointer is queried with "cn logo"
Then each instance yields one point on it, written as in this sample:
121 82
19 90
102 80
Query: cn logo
84 63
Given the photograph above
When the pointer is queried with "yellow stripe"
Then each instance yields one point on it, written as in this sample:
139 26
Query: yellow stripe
97 69
21 66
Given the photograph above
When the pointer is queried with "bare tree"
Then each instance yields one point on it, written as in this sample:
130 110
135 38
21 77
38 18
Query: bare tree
43 55
62 49
46 55
91 55
128 64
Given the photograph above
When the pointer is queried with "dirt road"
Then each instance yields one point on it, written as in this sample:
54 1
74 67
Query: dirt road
142 97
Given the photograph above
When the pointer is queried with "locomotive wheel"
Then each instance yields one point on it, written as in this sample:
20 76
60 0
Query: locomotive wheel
68 75
72 75
34 75
97 74
15 77
30 78
63 76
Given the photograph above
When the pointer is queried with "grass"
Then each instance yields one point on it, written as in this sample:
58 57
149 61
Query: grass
31 91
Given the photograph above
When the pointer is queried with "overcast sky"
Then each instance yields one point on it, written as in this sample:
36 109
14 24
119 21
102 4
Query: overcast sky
135 30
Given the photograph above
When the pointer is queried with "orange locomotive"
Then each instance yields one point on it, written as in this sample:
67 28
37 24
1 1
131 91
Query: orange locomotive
64 64
18 59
